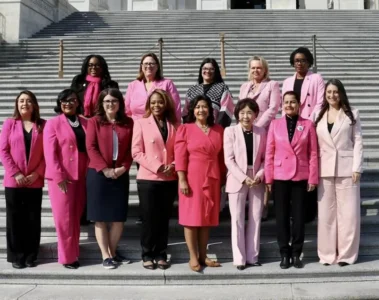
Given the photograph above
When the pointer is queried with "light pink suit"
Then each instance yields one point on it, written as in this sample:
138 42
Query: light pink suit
13 155
136 97
339 216
312 93
65 162
245 243
294 161
150 150
268 99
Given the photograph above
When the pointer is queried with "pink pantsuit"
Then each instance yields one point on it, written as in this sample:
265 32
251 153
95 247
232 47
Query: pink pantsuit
201 156
245 243
341 154
64 161
267 98
312 93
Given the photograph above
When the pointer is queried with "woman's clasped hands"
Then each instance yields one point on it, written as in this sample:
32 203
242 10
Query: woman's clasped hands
114 173
252 182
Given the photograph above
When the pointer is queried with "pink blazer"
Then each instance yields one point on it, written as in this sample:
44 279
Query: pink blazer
294 161
136 97
312 93
13 153
268 99
236 157
60 148
341 151
150 150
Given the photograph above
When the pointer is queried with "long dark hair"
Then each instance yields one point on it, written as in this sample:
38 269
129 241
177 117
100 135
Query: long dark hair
64 95
121 117
191 111
35 117
344 101
106 77
217 74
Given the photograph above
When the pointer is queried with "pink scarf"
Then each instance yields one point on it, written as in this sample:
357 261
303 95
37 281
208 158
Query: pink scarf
91 94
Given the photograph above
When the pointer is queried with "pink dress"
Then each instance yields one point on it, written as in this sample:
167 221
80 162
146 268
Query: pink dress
201 156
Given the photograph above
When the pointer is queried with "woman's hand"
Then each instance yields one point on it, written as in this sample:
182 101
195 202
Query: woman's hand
31 178
311 187
109 173
269 187
249 182
20 179
356 177
118 172
183 186
257 180
169 170
63 186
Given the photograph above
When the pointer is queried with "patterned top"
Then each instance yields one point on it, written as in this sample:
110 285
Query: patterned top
222 101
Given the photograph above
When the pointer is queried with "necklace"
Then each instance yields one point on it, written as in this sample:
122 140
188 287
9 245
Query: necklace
74 124
204 128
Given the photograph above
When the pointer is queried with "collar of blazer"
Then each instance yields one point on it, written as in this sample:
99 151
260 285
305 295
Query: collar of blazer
304 87
261 88
299 129
155 128
241 142
20 128
340 119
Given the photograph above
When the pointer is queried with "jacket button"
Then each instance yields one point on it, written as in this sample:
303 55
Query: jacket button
71 159
309 105
164 150
156 156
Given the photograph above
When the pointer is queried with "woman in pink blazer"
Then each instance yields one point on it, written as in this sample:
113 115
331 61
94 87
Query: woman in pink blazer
21 152
291 170
109 141
66 167
341 158
244 151
310 89
153 148
266 93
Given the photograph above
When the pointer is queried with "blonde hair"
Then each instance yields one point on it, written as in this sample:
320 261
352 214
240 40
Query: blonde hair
264 66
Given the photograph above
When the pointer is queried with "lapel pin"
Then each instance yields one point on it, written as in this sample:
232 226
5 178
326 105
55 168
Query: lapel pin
300 128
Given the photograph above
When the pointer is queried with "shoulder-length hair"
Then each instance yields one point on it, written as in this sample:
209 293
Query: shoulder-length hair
217 74
121 117
35 117
251 103
192 106
169 112
64 95
104 66
265 67
306 52
158 75
344 101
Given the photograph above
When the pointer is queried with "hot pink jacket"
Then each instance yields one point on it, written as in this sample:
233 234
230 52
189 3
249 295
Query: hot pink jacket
294 161
13 154
60 148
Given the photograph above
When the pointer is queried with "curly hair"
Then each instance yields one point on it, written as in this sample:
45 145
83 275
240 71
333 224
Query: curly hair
305 51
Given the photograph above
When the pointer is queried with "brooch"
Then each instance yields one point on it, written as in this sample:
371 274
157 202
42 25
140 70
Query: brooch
300 128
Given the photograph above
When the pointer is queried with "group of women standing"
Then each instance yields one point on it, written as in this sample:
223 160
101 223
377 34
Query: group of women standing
87 150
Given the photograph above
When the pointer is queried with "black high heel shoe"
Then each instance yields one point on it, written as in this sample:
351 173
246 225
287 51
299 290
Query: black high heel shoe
72 266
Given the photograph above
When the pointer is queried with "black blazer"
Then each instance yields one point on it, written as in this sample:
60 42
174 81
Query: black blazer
79 85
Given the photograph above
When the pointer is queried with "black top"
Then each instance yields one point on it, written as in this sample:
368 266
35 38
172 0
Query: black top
206 88
291 126
330 126
248 135
79 85
28 142
79 134
163 130
297 86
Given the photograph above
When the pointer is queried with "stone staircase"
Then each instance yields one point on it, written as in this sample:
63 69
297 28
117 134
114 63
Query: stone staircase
347 48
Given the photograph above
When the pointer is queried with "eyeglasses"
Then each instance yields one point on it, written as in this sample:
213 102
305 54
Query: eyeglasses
211 70
107 102
145 65
92 66
69 101
300 61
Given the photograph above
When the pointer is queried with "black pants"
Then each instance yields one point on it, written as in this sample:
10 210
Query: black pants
311 206
290 195
23 214
156 202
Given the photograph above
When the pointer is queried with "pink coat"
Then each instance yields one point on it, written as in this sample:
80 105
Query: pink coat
341 151
60 148
236 157
150 150
136 97
312 93
13 153
268 99
294 161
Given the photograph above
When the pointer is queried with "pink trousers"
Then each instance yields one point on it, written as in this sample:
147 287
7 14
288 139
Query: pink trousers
339 220
246 241
67 211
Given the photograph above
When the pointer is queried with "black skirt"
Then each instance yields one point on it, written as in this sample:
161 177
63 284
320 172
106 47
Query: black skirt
107 199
